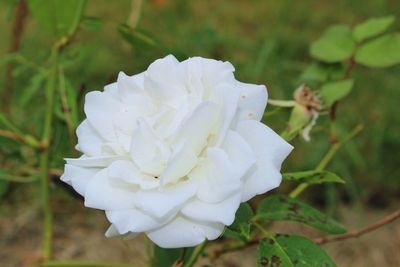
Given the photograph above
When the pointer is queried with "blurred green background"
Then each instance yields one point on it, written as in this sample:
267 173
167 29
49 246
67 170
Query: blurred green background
267 42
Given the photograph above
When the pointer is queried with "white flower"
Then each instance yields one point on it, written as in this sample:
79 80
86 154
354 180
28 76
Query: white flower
173 151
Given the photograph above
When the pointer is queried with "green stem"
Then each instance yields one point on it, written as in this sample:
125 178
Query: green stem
44 157
196 254
327 158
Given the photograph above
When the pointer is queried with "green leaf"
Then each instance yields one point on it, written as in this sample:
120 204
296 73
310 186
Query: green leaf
57 16
322 72
372 27
282 208
291 251
334 91
240 228
91 23
335 45
381 52
313 177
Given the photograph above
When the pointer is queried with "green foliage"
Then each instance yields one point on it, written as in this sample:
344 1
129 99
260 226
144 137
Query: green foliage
334 91
381 52
291 251
91 23
57 16
282 208
240 228
313 177
336 44
322 72
372 27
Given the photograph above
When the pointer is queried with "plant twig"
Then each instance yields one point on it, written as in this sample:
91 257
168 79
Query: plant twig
327 158
354 234
320 241
11 135
196 254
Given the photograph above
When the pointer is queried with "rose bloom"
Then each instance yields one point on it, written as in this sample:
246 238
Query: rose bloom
174 150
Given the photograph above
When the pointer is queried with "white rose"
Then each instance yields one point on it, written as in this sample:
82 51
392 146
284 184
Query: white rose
173 151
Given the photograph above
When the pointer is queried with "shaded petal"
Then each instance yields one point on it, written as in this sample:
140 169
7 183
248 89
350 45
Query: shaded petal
262 178
78 177
164 82
132 220
100 161
222 212
126 171
183 232
102 193
182 160
100 109
270 150
89 141
239 152
230 99
147 151
265 143
216 177
162 203
198 126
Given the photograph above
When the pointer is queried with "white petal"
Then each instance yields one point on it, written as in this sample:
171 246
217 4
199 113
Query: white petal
182 160
230 99
253 100
147 151
183 232
239 152
90 143
163 203
270 150
78 177
100 109
216 177
197 128
132 220
222 212
112 91
213 71
265 142
103 193
164 82
100 161
126 171
261 179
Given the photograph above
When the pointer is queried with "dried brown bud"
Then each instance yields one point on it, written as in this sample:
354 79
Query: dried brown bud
307 98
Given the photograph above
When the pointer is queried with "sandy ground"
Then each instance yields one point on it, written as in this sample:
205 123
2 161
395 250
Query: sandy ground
79 234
